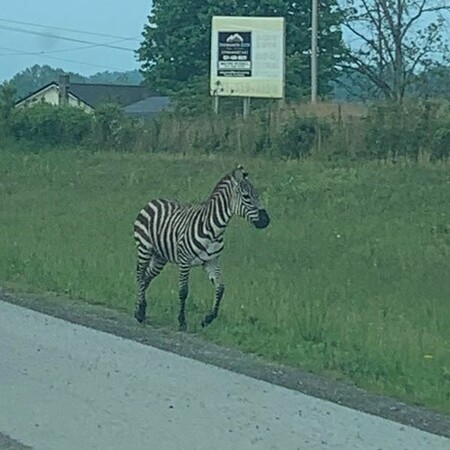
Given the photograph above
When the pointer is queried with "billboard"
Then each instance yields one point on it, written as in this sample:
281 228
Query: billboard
247 56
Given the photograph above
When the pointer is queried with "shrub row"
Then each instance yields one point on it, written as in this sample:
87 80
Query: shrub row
384 131
48 125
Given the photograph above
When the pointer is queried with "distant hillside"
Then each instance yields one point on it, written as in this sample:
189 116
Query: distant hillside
35 77
348 87
129 77
353 87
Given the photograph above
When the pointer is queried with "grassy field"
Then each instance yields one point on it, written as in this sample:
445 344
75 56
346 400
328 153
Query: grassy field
351 278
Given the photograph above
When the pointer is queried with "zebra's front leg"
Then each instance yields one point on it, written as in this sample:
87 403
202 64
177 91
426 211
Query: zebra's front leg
213 271
183 293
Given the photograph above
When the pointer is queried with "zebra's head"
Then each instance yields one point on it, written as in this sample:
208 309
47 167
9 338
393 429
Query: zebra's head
246 201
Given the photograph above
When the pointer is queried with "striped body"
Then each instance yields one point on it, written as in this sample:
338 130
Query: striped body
191 235
178 233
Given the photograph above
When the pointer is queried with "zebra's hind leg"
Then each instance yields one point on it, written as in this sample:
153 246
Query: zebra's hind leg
183 293
147 269
141 303
213 271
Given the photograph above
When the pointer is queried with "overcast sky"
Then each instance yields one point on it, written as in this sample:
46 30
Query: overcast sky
117 18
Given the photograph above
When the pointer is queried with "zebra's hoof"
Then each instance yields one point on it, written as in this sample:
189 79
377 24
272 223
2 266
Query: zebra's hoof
139 316
207 320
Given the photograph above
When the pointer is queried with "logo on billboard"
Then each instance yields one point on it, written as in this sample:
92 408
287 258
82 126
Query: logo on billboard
235 54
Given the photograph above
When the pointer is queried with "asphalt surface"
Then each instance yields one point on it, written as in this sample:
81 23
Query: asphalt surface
65 386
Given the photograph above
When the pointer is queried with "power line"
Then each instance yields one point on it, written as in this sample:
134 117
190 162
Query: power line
16 52
66 60
23 53
53 36
86 64
71 30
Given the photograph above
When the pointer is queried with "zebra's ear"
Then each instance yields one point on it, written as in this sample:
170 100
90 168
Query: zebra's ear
239 173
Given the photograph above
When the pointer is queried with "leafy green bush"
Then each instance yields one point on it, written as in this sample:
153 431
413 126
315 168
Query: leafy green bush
300 135
409 129
415 130
112 130
439 143
45 123
7 93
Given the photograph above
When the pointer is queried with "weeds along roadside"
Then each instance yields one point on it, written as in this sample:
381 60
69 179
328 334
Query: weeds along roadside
351 278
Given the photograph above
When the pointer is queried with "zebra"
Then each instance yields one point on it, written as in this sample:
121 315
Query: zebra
191 235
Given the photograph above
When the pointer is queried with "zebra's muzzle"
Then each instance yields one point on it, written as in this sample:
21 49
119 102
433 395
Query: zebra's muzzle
263 219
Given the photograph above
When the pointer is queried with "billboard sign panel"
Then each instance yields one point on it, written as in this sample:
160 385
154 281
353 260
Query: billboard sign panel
234 54
247 56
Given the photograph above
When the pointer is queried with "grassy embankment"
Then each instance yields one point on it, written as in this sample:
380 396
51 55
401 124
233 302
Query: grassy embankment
352 277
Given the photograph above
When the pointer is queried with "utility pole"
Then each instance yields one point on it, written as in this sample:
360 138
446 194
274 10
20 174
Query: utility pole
314 51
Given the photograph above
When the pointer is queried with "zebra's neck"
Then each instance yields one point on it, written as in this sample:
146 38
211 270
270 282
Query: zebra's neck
219 208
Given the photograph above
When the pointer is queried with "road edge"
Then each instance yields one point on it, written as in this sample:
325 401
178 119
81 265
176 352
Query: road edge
8 443
192 346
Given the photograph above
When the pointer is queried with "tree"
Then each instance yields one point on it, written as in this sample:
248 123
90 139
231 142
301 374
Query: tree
7 96
434 83
128 77
394 40
175 51
351 86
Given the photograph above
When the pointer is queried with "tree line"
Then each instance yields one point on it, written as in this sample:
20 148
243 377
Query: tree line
381 48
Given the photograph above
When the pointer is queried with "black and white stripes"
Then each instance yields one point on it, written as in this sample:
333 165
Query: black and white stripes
191 235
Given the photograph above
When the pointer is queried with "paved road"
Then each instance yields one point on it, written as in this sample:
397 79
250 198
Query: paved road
64 386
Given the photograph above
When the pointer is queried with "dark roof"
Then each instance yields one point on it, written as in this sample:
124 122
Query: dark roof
95 94
149 106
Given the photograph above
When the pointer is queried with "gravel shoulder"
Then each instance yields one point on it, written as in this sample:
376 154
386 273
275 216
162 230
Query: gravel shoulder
6 443
192 346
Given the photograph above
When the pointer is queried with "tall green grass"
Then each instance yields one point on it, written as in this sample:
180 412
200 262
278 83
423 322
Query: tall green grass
351 277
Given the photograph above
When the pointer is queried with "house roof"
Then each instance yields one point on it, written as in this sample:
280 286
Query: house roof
31 94
149 106
94 94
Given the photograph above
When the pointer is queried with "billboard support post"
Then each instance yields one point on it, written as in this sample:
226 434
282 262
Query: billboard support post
246 110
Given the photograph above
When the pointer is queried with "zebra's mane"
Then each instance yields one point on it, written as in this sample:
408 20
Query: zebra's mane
215 191
218 187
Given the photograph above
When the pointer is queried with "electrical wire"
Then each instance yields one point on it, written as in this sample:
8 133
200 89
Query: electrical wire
86 64
53 36
63 59
46 52
49 53
71 30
